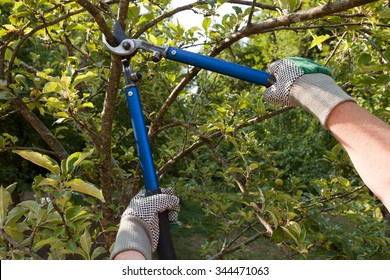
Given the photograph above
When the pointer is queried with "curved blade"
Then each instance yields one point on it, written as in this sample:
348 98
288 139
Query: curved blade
119 34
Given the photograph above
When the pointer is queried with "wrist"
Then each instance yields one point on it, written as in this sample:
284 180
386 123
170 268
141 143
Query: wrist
318 94
133 234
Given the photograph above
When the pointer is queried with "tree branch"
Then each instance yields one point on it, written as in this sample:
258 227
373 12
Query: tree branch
41 128
99 20
106 166
16 244
286 20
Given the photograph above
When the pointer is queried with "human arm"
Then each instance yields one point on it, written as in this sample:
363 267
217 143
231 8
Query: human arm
301 82
138 232
130 255
366 138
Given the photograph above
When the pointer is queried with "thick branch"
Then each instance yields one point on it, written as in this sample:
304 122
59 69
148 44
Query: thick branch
99 19
40 127
286 20
106 166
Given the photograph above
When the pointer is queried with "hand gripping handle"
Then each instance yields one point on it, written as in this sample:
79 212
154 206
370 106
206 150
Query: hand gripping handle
165 248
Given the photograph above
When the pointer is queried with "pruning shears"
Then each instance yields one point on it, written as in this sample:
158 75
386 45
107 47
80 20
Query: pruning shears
127 48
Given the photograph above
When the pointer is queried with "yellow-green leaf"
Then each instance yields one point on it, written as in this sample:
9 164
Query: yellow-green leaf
84 78
48 182
41 160
81 186
317 40
86 242
31 205
206 24
253 166
5 202
44 242
235 170
51 87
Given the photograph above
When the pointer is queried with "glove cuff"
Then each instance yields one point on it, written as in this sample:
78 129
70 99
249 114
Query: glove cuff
319 94
133 234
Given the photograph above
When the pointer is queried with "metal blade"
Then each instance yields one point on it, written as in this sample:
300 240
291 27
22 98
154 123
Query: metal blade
119 34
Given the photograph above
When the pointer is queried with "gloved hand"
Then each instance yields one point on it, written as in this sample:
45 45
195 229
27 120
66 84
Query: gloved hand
302 82
139 228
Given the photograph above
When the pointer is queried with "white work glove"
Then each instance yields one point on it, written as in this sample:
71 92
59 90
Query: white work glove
302 82
139 226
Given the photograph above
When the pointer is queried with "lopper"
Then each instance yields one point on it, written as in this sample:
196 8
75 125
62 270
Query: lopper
127 48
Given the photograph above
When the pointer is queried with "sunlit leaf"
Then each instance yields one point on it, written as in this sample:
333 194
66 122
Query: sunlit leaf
317 40
84 78
39 159
5 203
81 186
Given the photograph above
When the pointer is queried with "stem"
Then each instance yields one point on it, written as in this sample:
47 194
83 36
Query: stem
17 245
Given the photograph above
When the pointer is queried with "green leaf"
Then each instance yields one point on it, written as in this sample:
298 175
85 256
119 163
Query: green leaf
134 12
75 159
48 182
15 214
41 160
317 40
51 87
365 58
385 13
253 166
97 252
84 78
274 218
44 242
31 205
152 39
5 202
206 24
278 235
11 188
15 232
86 242
81 186
387 53
235 170
6 95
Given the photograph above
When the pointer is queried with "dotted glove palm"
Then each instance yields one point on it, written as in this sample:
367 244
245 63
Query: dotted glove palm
302 82
139 226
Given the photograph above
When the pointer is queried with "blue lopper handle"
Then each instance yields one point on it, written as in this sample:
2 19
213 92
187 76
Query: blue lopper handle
220 66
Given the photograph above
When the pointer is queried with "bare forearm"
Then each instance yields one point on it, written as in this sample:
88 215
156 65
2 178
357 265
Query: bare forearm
367 141
129 255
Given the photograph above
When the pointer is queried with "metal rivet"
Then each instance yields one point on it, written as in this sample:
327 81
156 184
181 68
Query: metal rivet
130 93
126 45
173 52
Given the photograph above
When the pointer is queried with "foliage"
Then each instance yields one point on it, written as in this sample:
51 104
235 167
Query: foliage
255 174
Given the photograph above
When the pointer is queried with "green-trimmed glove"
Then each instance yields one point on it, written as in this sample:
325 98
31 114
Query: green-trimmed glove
139 227
302 82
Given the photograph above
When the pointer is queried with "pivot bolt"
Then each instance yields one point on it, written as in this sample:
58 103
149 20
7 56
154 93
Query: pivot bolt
126 45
